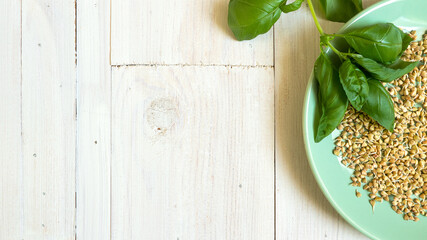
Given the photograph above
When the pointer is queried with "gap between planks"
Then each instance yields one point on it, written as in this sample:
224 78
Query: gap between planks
192 65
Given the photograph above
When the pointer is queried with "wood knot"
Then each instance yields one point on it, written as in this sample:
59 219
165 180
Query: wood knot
162 115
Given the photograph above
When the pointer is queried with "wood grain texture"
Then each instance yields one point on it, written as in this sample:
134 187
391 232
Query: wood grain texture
48 118
181 32
367 3
94 120
193 153
302 211
10 121
190 149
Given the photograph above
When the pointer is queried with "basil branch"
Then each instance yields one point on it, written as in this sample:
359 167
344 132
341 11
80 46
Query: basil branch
356 79
313 13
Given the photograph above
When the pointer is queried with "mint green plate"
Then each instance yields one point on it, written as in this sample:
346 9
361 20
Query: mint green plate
334 178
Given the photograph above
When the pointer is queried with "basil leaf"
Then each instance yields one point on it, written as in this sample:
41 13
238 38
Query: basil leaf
341 10
406 40
381 72
292 6
355 84
379 105
381 42
250 18
333 102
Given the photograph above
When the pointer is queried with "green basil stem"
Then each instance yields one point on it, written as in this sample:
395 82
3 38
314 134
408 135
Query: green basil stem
326 38
335 35
341 55
319 28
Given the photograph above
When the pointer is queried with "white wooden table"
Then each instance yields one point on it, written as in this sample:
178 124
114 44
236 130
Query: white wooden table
143 119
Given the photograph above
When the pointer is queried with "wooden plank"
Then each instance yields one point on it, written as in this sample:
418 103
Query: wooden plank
367 3
10 121
302 212
94 120
48 118
181 32
193 153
